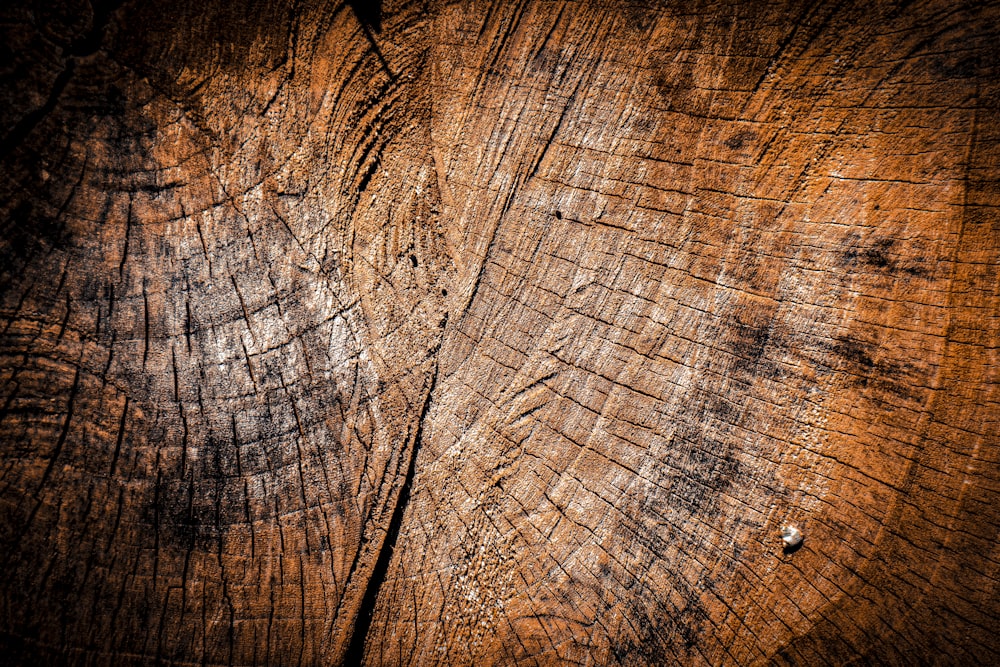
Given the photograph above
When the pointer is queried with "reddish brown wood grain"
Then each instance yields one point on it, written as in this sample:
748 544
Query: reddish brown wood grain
499 333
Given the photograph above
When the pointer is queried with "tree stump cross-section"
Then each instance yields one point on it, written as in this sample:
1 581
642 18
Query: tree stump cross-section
533 332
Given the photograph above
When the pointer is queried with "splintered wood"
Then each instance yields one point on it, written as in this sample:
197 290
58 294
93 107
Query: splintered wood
500 333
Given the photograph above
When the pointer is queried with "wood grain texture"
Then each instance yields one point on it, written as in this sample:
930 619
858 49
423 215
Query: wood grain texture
500 333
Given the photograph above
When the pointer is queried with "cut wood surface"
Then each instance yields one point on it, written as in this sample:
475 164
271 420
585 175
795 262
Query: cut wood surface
483 333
